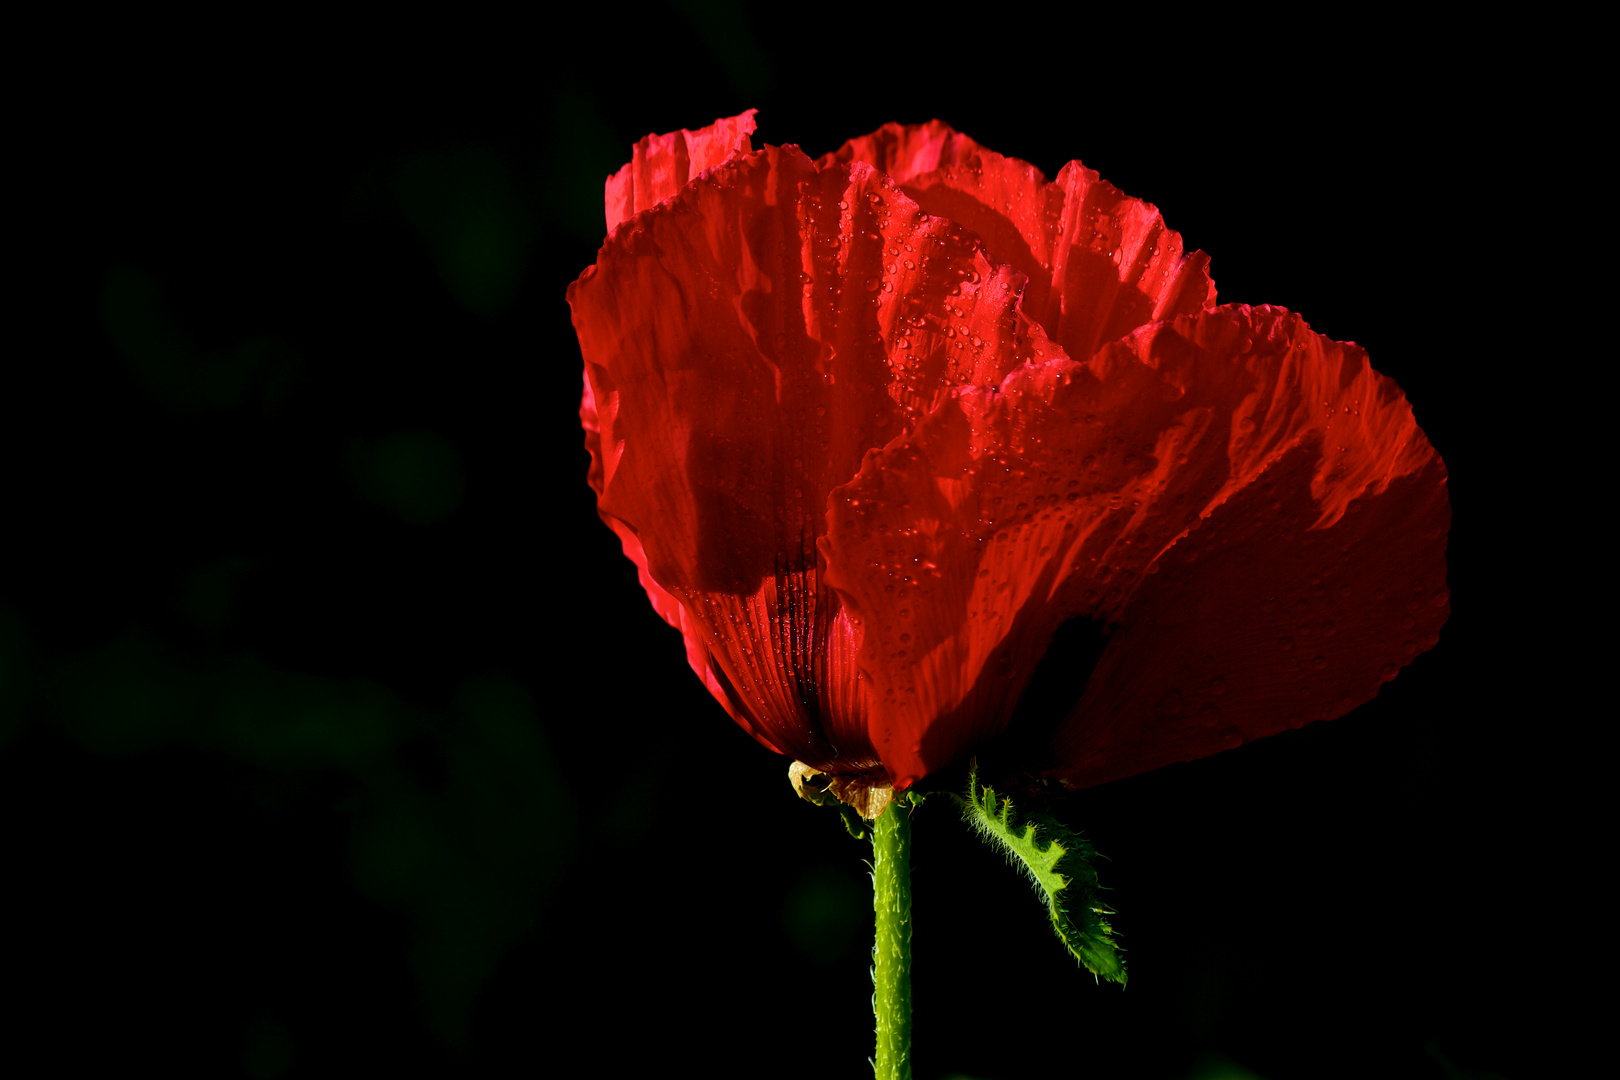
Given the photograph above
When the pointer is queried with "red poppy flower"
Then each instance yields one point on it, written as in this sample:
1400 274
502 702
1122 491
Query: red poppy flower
874 427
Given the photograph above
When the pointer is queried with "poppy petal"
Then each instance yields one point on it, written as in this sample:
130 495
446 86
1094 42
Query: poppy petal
661 165
669 608
745 342
1099 263
1060 493
907 151
1316 574
960 548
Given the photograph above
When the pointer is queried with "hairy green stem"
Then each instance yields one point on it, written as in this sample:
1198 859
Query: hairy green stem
891 955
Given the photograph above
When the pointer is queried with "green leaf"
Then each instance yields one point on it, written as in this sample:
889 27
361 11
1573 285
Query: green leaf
1058 860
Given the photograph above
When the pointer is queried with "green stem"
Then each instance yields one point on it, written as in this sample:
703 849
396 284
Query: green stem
891 955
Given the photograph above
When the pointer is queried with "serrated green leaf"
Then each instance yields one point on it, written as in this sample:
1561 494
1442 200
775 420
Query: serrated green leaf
1058 860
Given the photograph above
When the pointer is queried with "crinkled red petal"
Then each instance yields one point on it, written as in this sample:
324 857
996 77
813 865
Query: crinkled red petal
697 654
907 151
745 343
661 165
960 549
1099 263
1316 574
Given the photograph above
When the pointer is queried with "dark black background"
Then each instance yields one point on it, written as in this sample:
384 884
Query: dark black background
339 739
